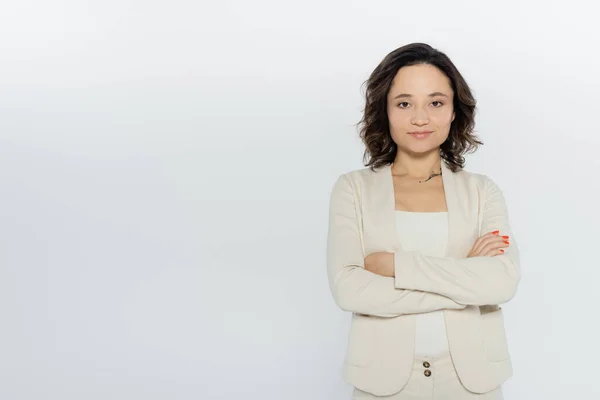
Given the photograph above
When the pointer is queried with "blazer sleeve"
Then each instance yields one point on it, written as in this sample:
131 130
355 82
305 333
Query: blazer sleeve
473 280
356 289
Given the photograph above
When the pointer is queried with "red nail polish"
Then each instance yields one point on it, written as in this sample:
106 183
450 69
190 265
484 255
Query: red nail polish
495 232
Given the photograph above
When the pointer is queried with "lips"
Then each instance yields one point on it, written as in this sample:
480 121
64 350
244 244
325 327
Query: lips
420 134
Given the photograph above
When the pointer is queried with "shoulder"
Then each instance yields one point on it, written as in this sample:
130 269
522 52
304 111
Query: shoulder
357 178
487 187
361 178
476 178
363 174
483 186
482 181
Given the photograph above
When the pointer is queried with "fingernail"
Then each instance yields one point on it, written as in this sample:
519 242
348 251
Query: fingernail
502 250
506 241
495 232
505 237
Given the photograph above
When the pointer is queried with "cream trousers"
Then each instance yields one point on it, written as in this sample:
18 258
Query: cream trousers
432 378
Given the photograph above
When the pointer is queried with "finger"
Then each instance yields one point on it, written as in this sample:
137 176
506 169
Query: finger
484 240
500 235
494 246
479 243
493 239
495 252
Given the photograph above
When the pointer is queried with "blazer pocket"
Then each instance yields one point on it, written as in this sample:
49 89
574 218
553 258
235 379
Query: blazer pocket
360 341
494 335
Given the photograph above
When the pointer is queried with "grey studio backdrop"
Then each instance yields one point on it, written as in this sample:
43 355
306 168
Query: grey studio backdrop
165 170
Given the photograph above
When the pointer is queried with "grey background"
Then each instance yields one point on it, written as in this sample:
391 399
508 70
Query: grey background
165 170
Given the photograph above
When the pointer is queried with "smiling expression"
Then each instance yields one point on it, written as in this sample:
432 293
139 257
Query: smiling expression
420 108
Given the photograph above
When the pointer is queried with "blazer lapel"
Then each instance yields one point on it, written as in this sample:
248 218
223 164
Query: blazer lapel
381 222
459 226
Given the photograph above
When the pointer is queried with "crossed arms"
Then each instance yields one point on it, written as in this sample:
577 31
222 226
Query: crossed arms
421 283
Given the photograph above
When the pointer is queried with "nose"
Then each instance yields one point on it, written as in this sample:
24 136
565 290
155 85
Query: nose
420 118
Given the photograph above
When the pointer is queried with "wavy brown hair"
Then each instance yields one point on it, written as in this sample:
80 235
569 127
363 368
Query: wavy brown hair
374 125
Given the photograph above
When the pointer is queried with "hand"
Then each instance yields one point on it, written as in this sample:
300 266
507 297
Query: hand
490 244
380 263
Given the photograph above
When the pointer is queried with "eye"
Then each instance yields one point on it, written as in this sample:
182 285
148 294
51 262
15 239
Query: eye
404 104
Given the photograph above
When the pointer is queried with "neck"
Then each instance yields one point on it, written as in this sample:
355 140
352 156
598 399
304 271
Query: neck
408 166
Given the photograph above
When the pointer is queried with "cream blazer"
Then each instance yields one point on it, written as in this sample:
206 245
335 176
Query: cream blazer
380 346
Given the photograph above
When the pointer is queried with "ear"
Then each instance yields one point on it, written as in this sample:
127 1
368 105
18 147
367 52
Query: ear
453 116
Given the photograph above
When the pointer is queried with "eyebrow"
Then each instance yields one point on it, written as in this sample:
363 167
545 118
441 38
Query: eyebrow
402 95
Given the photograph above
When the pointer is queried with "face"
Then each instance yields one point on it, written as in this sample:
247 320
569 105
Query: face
420 99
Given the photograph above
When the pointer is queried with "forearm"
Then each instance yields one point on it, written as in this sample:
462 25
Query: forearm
473 280
470 281
356 289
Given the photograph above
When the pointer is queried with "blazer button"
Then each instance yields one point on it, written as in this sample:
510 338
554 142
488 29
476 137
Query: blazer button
427 372
426 364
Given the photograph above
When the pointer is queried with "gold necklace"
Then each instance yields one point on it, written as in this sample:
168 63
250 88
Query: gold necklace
433 174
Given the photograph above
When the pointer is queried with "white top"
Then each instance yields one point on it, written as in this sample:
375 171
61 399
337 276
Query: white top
427 233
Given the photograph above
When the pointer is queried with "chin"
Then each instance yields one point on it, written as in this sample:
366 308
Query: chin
424 148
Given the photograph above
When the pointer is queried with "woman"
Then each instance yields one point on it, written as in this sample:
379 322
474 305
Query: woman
419 249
